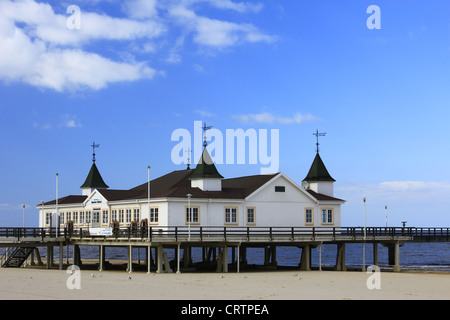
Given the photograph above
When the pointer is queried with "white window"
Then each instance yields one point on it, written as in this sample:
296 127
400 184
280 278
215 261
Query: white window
81 217
136 215
251 216
231 215
128 215
75 217
193 216
105 216
327 216
113 215
61 218
69 216
121 212
48 217
88 216
309 216
154 215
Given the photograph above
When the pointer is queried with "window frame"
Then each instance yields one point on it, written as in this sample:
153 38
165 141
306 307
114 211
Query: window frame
311 223
186 215
236 215
154 217
247 216
329 213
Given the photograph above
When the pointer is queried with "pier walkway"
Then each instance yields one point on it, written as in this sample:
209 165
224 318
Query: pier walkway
214 241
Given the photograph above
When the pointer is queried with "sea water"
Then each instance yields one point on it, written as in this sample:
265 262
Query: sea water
431 256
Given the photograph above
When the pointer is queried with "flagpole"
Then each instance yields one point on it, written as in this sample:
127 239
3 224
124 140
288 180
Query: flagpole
364 242
57 214
148 204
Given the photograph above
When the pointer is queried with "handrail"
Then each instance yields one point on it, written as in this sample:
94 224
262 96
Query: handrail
229 232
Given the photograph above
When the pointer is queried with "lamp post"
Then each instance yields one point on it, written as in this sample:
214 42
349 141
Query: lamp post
385 213
149 209
189 216
23 216
43 213
57 213
364 242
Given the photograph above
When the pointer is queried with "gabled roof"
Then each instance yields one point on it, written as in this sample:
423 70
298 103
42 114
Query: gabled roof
318 171
322 197
206 168
94 179
177 184
67 200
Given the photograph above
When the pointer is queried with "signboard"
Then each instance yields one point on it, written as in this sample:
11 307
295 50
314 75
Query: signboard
101 231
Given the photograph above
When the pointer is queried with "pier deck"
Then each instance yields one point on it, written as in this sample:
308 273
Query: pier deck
221 238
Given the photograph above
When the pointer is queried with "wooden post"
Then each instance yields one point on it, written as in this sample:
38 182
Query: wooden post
305 262
178 258
266 255
225 259
130 259
159 259
101 261
49 256
149 258
340 258
237 260
61 253
375 253
397 257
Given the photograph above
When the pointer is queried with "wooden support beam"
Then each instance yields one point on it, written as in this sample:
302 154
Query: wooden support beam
340 258
305 262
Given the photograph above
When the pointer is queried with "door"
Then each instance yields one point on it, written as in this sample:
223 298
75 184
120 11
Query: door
96 218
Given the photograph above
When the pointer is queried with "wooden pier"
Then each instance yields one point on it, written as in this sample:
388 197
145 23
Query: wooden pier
214 242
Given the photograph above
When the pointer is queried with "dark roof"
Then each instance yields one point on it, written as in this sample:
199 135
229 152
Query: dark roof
206 168
94 179
67 200
112 195
318 171
177 184
321 197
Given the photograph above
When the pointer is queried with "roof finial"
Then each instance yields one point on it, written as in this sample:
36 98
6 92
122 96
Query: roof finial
205 128
189 158
94 146
317 134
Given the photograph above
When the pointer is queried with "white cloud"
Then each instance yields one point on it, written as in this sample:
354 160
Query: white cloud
46 54
407 192
217 33
269 118
141 9
241 7
65 121
205 114
37 47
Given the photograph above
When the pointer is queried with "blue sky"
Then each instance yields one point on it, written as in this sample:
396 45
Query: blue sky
136 71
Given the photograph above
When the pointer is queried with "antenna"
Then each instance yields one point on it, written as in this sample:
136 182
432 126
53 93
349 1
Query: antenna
94 146
317 134
189 158
205 128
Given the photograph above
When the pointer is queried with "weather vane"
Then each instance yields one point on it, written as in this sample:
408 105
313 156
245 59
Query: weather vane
205 128
317 134
94 146
189 158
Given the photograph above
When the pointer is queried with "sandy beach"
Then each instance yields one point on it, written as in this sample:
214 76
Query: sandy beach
280 285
